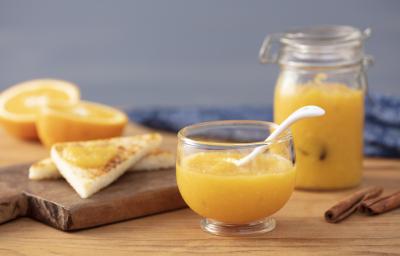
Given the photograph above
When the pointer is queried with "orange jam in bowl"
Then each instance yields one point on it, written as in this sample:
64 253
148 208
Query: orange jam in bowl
216 188
232 199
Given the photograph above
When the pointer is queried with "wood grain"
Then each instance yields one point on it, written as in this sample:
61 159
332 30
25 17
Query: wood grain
301 230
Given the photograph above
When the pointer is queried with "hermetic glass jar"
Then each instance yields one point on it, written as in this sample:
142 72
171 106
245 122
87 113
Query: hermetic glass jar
323 66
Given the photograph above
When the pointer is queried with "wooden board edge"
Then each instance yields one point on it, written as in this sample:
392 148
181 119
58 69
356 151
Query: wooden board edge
12 207
165 200
48 212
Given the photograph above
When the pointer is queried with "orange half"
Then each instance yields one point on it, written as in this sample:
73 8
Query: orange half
20 103
79 122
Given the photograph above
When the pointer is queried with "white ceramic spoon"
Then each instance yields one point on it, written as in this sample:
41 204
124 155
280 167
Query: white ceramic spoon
301 113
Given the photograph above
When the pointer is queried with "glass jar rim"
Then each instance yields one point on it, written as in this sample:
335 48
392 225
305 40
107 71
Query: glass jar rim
322 36
285 137
317 46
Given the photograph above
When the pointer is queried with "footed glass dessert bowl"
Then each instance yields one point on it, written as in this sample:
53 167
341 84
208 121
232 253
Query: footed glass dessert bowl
234 200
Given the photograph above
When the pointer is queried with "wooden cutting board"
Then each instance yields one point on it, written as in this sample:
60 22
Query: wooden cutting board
55 203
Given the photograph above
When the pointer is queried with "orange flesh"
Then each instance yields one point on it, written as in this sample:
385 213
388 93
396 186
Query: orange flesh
30 102
82 121
82 110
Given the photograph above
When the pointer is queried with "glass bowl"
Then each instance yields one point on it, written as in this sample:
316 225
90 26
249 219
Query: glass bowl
234 200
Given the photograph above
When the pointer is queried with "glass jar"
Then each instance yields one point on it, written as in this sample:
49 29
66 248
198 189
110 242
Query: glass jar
323 66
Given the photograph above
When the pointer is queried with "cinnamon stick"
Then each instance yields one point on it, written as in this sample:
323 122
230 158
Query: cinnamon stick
381 205
350 204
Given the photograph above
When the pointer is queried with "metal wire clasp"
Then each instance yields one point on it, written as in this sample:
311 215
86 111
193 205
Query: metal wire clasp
265 55
368 60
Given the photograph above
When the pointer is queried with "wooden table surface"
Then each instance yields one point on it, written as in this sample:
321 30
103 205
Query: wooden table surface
301 229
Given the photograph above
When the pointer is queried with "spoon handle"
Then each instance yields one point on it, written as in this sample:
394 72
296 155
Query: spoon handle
301 113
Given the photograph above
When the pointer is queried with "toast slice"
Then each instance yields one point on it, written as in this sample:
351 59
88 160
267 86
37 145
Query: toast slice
44 169
156 160
92 165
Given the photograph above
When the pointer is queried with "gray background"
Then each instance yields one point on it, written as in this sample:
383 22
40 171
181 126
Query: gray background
142 53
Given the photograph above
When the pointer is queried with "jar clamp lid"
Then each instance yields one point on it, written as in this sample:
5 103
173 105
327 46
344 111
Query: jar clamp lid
323 46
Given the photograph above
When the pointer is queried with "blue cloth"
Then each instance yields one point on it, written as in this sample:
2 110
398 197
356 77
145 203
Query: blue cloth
382 120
